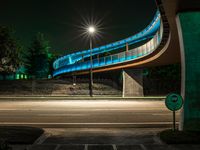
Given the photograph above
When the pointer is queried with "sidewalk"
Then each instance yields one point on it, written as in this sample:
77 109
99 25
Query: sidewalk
103 139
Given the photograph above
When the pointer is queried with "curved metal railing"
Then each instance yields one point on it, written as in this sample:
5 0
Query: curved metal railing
145 34
118 58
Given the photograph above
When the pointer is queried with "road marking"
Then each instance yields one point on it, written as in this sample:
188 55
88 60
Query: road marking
143 147
85 109
42 138
57 147
58 115
86 147
162 114
9 109
103 123
157 140
114 147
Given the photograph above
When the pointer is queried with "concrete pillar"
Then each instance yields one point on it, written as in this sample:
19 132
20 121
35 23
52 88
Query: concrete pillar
188 24
132 83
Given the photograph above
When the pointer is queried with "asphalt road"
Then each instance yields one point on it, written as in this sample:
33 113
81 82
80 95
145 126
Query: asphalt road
85 113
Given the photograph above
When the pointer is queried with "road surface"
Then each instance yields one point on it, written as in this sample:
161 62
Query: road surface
84 113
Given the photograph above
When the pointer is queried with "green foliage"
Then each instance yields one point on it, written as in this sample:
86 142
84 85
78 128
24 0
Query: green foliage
172 72
20 135
162 80
9 51
51 58
36 61
36 58
180 137
4 145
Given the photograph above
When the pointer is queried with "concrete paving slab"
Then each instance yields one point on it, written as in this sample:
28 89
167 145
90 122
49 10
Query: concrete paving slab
129 147
80 132
43 147
119 136
100 147
130 140
159 147
19 147
72 147
173 147
186 147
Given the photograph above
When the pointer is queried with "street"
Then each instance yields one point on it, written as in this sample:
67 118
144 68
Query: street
85 113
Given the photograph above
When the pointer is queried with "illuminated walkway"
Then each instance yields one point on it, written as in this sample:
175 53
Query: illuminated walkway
74 62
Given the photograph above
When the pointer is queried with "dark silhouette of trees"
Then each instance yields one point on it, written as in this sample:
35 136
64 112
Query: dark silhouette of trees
36 58
9 52
162 80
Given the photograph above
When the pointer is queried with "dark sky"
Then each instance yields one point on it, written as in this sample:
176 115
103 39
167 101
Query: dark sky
61 20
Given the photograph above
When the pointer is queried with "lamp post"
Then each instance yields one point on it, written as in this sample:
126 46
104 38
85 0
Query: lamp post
91 31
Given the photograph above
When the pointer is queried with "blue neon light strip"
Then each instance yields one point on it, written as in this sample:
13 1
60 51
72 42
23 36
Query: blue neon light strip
96 63
147 33
133 54
73 65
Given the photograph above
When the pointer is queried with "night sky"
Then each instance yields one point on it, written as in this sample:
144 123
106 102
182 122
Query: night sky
61 20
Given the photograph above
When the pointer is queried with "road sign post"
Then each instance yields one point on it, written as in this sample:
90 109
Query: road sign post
174 102
174 120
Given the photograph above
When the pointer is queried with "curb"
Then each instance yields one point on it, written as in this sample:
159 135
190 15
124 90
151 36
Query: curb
94 125
49 98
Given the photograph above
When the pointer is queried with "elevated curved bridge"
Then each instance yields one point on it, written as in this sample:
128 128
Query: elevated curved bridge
151 37
175 40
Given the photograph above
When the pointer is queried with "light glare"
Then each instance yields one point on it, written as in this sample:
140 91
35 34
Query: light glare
91 29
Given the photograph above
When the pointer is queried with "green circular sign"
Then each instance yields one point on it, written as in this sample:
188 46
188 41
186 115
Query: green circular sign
174 102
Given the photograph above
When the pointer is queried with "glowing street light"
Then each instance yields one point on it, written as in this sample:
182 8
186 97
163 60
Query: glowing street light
91 31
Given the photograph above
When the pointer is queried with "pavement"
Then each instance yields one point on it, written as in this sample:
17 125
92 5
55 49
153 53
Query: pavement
85 113
121 124
102 139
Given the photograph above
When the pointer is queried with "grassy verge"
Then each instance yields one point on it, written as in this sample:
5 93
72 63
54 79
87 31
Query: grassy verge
180 137
20 135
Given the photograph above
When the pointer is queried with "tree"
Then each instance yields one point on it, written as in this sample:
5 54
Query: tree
36 58
51 58
9 52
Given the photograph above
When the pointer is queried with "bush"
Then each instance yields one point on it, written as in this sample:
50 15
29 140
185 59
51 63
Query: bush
4 145
180 137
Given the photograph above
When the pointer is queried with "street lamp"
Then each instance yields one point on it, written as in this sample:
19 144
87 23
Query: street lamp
91 31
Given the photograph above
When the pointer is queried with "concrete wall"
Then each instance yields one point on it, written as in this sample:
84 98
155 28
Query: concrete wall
132 82
189 35
63 87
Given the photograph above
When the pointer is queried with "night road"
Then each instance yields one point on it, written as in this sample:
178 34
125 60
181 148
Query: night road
91 113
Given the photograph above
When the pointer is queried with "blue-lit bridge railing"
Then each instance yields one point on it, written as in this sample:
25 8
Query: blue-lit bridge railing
145 34
122 57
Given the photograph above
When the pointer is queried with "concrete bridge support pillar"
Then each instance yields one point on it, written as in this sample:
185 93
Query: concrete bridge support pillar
132 83
189 35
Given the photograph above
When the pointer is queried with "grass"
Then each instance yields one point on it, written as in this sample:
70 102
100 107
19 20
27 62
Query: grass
180 137
20 135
